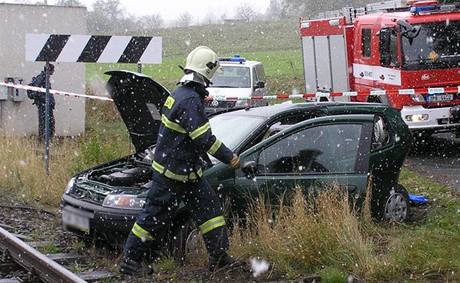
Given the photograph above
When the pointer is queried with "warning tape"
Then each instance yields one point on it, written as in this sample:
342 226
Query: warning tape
379 92
53 91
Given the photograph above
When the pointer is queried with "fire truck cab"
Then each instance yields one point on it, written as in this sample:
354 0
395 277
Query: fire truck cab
411 52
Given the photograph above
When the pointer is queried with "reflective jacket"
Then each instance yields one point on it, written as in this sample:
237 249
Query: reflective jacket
185 136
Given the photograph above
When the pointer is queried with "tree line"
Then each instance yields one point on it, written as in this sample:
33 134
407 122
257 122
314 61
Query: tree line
107 16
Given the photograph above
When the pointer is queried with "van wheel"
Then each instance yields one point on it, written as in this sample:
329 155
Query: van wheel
395 206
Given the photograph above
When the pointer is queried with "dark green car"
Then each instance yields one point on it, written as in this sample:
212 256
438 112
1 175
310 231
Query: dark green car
306 145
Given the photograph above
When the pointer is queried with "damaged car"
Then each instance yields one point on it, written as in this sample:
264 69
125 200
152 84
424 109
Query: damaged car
307 145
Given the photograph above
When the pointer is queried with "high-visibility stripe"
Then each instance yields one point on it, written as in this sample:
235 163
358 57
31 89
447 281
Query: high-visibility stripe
212 224
158 167
172 125
215 146
178 177
169 102
141 233
201 130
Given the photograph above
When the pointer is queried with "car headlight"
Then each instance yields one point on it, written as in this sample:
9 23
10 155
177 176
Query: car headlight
124 201
69 186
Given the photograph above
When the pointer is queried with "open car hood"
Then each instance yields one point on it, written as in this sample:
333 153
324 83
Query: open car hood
139 100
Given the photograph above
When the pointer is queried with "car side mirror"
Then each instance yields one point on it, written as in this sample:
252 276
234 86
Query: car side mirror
250 169
260 85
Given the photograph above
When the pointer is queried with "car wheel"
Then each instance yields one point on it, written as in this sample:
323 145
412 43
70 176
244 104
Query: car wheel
178 239
396 205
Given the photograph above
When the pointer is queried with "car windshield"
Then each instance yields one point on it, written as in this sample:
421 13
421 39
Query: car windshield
232 77
435 46
232 129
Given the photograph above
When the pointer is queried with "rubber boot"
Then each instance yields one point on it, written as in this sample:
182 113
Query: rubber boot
134 251
134 268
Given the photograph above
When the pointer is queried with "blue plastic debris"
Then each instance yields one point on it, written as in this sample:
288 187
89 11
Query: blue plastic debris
418 199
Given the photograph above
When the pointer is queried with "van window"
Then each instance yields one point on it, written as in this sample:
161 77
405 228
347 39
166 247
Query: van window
366 37
260 73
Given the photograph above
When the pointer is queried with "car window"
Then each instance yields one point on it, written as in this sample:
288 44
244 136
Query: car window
232 76
233 129
331 148
381 135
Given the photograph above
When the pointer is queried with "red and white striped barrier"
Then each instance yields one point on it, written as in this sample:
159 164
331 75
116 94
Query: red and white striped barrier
380 92
431 91
53 91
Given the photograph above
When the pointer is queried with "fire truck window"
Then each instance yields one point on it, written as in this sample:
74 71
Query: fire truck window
366 42
394 49
388 48
435 46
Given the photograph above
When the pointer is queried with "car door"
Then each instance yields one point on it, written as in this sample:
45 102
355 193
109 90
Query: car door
315 154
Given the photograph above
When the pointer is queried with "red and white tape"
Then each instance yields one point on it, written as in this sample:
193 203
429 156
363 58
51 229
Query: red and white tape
431 91
379 92
53 91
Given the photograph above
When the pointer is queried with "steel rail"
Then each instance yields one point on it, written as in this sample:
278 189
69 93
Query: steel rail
34 261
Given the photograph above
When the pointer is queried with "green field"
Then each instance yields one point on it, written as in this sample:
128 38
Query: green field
275 44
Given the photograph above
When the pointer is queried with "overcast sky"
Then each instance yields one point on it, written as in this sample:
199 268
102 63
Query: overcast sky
171 9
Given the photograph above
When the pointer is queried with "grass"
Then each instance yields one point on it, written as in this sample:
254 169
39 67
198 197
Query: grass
307 236
22 159
283 68
327 238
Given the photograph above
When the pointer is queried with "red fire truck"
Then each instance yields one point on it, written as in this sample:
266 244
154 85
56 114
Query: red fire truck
409 56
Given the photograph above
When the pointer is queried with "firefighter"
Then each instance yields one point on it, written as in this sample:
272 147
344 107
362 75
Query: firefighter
39 99
184 140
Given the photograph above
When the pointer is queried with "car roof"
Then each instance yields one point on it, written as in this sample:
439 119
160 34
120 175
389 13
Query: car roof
268 111
236 64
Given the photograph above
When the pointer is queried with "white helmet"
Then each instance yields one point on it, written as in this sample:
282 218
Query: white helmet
203 61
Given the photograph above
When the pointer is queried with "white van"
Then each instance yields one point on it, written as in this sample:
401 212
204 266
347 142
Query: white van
239 80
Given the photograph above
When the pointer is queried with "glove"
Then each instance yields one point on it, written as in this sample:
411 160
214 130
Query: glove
235 162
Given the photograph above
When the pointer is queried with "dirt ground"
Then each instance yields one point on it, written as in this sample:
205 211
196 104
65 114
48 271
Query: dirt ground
438 158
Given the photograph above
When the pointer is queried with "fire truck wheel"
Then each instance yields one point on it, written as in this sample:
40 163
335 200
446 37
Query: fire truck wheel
395 205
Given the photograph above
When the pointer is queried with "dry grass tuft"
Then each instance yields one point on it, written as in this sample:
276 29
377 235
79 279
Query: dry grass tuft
22 168
307 235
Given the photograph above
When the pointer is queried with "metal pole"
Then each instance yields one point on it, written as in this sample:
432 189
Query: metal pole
139 67
47 117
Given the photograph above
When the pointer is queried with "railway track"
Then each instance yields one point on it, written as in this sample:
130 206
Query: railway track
17 254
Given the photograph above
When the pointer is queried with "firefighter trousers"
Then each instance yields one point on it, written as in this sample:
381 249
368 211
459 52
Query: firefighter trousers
163 200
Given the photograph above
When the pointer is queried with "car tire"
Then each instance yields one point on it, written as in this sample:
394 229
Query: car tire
395 205
178 236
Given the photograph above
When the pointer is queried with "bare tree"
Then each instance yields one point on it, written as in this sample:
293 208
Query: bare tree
154 21
210 19
185 19
275 11
245 12
68 3
106 17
